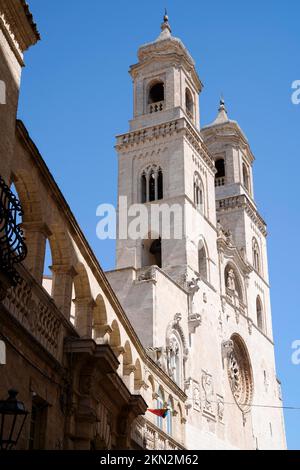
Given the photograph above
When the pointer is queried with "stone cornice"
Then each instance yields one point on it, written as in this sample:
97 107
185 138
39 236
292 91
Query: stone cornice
242 202
18 25
138 138
229 132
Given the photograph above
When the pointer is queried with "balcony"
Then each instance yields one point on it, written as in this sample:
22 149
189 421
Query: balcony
35 310
149 436
156 107
220 182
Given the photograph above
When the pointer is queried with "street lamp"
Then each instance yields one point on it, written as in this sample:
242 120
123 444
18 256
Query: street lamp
12 419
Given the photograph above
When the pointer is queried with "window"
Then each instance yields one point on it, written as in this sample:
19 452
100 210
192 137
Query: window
202 261
152 253
220 175
152 184
170 417
198 192
156 97
160 404
256 255
246 178
38 420
259 314
189 104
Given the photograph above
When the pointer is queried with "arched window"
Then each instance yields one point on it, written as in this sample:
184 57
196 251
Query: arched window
198 192
170 416
246 178
156 97
256 255
220 175
152 252
189 103
202 261
152 184
259 314
160 403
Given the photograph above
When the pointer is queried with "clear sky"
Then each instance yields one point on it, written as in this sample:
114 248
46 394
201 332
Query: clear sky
77 95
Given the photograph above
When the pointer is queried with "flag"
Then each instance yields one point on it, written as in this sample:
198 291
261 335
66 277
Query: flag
161 412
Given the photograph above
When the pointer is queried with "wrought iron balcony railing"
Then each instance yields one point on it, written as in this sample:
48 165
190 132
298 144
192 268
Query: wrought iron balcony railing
12 244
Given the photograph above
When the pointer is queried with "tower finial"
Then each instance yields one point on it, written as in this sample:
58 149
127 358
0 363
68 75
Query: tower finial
165 25
222 104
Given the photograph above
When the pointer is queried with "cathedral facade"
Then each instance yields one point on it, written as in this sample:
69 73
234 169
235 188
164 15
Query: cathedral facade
199 302
183 323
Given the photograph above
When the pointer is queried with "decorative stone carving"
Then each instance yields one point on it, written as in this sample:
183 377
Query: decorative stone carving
196 397
188 389
231 280
147 275
250 325
220 408
227 349
194 320
208 393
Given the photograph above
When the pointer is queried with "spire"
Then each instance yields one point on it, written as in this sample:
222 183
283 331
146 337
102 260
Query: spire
222 116
165 28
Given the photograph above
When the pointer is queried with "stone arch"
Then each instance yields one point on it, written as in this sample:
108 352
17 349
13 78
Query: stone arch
189 103
83 301
100 327
29 195
260 314
138 377
203 259
127 359
151 183
199 195
151 250
240 373
115 336
176 350
155 93
246 177
256 255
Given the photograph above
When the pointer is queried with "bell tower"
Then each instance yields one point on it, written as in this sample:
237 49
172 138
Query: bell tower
162 162
166 84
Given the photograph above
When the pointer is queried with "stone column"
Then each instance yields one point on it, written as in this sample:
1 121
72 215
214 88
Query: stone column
128 377
36 235
84 316
62 287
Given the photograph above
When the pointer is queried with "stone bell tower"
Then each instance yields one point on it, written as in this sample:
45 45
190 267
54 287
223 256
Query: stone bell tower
199 302
162 160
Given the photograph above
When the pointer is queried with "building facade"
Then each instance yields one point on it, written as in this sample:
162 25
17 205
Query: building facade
199 302
181 323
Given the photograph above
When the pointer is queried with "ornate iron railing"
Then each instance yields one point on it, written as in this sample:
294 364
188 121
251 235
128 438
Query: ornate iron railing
12 245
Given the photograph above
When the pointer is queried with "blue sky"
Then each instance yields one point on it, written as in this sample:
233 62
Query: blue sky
77 95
